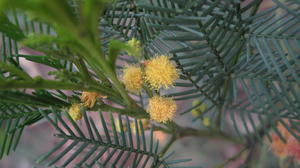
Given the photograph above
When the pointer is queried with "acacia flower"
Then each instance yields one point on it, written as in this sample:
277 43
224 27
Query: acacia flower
89 98
132 78
75 112
135 48
206 121
198 110
160 72
161 109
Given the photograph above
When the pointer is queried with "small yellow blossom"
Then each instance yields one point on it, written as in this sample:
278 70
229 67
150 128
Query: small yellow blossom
89 98
160 72
132 78
161 109
135 48
75 112
198 110
206 121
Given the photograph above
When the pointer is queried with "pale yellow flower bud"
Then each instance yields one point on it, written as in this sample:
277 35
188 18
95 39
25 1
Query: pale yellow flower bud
135 48
75 112
161 109
89 98
198 110
160 72
206 121
132 78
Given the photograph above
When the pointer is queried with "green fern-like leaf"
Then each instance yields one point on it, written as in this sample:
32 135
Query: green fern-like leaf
112 148
13 119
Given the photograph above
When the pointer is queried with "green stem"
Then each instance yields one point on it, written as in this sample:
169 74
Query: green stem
82 68
208 134
97 62
107 108
233 158
158 128
182 132
39 83
148 91
219 118
15 70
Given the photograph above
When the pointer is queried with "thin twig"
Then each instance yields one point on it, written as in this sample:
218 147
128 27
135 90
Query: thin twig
233 158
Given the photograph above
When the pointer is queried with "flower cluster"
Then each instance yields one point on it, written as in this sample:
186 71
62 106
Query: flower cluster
155 73
289 148
132 78
160 72
89 98
75 112
161 109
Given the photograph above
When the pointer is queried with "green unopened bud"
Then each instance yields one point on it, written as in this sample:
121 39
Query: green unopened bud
135 49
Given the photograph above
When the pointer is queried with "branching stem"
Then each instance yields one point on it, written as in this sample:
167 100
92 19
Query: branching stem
233 158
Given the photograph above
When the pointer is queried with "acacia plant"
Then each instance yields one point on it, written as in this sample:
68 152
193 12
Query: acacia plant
132 62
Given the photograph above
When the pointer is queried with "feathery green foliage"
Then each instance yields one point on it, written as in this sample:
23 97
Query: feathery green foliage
113 149
238 60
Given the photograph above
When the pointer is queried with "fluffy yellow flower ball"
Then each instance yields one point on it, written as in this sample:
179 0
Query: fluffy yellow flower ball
89 98
160 72
132 78
161 109
75 112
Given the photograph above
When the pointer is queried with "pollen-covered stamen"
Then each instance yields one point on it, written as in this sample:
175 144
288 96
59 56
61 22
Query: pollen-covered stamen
160 72
161 109
132 78
89 98
75 112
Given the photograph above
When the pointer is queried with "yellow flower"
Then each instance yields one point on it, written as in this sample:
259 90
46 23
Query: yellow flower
160 72
89 98
132 78
198 110
206 121
161 109
75 112
135 48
